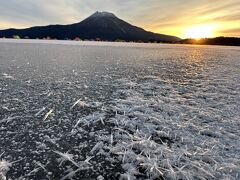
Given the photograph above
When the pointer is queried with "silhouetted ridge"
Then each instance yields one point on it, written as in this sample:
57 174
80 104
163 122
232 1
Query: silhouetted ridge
227 41
100 25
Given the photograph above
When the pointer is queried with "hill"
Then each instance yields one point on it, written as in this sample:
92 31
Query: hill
226 41
100 25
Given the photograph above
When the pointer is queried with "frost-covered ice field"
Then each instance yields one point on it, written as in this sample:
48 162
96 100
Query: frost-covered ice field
118 111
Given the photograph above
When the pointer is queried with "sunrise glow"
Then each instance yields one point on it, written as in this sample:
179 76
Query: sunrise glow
200 31
193 19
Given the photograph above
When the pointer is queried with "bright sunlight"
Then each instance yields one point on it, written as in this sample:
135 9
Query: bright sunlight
200 31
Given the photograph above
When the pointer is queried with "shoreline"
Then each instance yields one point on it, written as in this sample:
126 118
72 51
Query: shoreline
101 43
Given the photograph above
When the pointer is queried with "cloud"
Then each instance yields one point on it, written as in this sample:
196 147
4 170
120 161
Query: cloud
154 15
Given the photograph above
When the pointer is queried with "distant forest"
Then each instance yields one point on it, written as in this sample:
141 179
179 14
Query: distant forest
228 41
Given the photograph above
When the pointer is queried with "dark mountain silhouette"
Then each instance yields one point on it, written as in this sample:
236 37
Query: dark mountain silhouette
100 25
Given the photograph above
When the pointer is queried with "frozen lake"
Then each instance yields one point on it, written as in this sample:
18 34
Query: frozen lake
97 110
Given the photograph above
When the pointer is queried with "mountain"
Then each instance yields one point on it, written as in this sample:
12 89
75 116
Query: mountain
100 25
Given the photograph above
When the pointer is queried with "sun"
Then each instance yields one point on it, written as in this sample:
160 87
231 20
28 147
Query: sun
200 31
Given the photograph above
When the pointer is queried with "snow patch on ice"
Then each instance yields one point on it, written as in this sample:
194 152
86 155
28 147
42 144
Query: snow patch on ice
4 168
162 135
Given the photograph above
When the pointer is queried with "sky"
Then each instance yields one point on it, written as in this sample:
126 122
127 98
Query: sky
182 18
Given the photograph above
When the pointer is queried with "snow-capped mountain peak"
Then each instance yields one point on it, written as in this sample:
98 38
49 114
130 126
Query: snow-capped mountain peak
103 14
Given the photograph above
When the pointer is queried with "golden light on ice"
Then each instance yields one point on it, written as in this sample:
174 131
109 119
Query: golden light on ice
200 31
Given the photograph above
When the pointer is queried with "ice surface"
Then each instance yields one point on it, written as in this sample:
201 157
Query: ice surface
118 111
